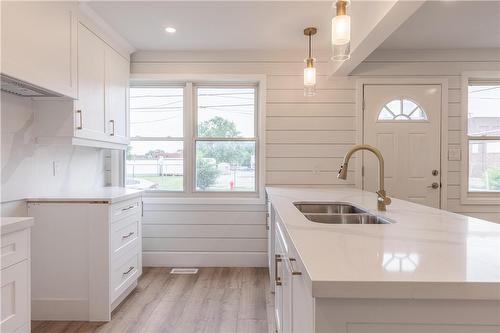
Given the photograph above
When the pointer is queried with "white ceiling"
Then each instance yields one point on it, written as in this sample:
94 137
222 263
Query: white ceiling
449 25
226 25
278 25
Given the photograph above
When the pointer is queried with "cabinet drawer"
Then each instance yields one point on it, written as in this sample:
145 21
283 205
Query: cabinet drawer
14 247
15 288
124 235
124 274
126 208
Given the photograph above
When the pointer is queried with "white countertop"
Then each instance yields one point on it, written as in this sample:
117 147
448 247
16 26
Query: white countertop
11 224
428 254
105 194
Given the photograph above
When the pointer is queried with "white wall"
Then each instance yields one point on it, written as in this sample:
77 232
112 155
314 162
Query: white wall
306 139
27 168
447 64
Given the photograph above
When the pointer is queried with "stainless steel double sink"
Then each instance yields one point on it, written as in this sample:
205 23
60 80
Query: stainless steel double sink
338 213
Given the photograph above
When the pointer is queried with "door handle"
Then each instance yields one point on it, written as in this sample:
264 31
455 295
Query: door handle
434 186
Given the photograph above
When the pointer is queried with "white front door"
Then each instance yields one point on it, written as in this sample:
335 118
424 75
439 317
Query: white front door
404 122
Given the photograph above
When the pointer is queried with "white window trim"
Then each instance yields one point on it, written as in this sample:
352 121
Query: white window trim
189 195
466 197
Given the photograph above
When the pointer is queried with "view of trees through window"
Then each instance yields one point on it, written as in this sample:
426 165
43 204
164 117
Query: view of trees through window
224 147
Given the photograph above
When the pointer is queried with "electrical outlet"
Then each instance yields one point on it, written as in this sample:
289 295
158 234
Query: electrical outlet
55 168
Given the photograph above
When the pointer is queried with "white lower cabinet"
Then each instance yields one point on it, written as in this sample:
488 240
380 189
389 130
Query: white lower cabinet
15 281
294 304
87 257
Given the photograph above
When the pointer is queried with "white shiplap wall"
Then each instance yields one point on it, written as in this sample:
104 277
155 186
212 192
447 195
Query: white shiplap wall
447 64
306 138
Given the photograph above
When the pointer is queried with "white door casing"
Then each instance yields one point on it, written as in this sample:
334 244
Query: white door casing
404 122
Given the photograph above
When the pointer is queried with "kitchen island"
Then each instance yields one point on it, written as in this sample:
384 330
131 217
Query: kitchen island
429 271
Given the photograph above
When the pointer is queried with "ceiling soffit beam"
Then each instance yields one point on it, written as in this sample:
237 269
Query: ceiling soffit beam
372 23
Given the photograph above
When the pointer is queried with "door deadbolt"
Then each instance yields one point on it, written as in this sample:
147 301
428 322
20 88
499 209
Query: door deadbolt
435 172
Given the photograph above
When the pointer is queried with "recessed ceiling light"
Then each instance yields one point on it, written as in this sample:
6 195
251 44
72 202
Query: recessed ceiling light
170 30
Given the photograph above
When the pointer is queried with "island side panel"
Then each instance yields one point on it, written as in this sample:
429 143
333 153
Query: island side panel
409 316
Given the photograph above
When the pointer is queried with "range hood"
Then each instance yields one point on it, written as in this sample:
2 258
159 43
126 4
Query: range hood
24 89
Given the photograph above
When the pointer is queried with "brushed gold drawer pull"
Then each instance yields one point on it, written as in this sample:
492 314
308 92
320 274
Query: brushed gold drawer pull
127 236
129 270
79 127
112 123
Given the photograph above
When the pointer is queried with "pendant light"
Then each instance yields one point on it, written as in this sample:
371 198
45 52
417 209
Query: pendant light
310 70
341 32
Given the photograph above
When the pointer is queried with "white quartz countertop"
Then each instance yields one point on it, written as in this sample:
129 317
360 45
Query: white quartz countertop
11 224
427 254
105 194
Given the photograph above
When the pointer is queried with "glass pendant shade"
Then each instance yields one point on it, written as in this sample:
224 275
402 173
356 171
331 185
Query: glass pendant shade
309 81
341 33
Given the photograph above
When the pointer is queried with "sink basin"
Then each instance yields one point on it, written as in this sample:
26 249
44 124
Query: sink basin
346 219
338 213
329 208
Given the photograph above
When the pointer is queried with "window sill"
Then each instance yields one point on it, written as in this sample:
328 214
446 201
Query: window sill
204 200
474 198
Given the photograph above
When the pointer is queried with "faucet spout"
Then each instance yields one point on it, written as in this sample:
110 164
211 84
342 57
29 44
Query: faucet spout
383 200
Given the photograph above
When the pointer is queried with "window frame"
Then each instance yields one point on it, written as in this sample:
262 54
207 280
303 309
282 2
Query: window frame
467 196
197 138
190 83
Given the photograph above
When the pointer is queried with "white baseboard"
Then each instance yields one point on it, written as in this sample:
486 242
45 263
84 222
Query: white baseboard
204 259
60 309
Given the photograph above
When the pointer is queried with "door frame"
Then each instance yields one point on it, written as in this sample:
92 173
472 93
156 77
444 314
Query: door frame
443 82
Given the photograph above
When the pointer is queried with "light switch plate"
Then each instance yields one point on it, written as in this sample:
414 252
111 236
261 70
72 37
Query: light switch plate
454 154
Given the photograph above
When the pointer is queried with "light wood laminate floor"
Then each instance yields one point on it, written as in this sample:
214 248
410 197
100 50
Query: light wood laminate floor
216 300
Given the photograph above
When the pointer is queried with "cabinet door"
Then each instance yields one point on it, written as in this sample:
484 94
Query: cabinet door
117 76
302 301
278 290
39 43
90 109
287 296
15 296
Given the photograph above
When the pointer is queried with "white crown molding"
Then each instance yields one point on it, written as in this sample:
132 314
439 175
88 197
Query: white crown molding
106 31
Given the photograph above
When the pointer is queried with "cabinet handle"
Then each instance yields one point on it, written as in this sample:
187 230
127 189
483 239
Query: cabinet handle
295 271
112 123
81 119
129 270
127 236
277 279
128 208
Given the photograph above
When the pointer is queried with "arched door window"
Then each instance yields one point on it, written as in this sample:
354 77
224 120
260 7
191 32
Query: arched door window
401 109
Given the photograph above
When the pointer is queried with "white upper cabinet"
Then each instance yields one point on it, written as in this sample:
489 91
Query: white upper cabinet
99 115
117 77
39 44
90 106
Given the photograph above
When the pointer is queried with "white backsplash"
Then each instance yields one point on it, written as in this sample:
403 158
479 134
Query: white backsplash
29 168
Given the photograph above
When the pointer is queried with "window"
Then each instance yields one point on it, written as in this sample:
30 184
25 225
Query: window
483 136
155 157
401 109
212 128
226 139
